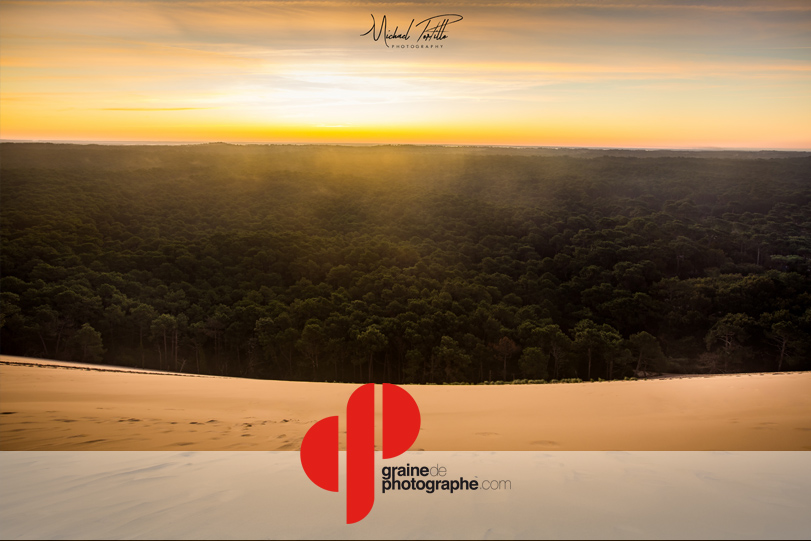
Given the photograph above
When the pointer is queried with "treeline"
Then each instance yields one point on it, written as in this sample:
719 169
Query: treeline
405 264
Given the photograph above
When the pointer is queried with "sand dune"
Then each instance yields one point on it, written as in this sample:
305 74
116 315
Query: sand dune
553 495
49 406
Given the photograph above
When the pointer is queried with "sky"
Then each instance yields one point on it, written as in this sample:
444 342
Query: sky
621 73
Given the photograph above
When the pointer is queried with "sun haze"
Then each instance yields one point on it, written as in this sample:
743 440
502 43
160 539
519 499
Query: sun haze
644 74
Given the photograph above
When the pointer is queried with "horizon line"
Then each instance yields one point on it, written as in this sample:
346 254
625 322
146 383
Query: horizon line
109 142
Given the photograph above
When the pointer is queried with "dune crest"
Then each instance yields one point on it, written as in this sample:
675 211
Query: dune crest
45 406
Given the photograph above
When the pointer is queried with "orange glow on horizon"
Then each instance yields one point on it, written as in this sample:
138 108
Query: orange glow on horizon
652 75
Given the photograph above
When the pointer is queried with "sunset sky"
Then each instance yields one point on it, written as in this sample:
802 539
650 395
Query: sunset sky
677 74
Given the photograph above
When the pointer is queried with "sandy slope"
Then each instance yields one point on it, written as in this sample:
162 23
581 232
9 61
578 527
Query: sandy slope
59 408
552 495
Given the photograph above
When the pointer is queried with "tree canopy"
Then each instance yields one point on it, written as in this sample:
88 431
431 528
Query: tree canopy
405 264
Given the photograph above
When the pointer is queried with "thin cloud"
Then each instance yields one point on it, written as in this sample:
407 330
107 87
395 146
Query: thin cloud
549 4
152 108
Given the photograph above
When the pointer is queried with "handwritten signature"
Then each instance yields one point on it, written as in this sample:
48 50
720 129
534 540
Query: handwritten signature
434 29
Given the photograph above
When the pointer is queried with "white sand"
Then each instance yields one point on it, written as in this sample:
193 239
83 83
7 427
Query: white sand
558 495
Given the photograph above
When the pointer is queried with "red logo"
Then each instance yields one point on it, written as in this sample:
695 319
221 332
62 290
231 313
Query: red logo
319 449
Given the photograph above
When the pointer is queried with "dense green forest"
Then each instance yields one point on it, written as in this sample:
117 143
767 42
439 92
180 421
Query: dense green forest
406 264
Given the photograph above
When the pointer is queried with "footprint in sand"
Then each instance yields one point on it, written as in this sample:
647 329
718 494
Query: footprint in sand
291 444
7 412
545 443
